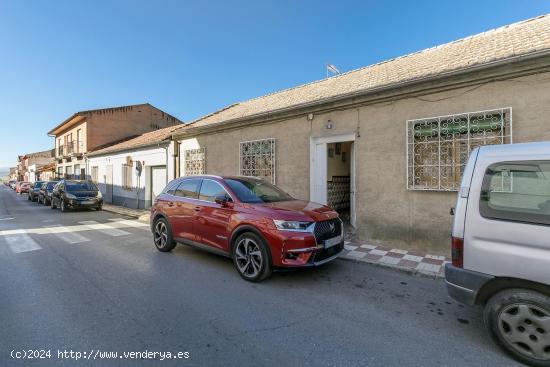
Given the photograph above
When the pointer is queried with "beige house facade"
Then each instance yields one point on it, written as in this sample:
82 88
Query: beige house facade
86 131
386 144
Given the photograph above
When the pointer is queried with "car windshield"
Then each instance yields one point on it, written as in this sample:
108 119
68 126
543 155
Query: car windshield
38 184
80 186
250 190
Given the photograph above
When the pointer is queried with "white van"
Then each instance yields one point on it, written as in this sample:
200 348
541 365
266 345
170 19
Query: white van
501 246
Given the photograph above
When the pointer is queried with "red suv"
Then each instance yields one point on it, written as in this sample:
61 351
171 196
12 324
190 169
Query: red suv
255 223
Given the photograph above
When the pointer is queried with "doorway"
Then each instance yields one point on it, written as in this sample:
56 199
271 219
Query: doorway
332 174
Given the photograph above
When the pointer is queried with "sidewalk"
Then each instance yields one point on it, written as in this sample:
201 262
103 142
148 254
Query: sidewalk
141 214
408 261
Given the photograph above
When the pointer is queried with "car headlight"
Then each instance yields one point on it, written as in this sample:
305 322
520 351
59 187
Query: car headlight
290 225
99 195
70 196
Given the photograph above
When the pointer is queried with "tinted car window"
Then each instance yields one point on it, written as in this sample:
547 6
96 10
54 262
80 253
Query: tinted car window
256 191
210 190
50 185
517 191
188 189
37 184
80 186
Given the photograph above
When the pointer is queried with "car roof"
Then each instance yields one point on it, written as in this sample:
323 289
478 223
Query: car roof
516 149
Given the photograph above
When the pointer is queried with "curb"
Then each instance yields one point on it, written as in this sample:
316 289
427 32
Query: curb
401 269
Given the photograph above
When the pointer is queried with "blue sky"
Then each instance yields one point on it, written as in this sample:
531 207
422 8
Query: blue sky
190 58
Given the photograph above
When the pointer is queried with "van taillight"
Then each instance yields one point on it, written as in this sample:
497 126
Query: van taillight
457 252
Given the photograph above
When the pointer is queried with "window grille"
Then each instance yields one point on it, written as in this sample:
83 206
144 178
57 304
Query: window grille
257 159
95 174
438 147
127 177
195 162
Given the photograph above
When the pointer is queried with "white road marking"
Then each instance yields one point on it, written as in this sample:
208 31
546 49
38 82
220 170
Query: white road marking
104 228
7 218
130 223
84 226
22 242
66 234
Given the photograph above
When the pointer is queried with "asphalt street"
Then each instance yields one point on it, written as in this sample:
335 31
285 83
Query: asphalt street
92 281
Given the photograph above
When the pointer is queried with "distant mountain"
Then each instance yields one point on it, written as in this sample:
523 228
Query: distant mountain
4 171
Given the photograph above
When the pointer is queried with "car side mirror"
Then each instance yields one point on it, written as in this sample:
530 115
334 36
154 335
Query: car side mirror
222 200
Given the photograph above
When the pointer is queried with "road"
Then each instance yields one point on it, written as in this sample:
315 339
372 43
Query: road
88 281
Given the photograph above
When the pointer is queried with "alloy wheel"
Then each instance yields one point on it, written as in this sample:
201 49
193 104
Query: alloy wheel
248 257
161 234
526 328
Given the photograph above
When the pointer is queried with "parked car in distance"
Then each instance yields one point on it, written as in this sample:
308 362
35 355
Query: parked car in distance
33 190
22 187
501 246
45 192
255 223
10 183
76 194
13 184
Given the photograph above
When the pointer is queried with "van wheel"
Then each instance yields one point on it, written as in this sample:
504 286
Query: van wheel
162 236
252 257
519 322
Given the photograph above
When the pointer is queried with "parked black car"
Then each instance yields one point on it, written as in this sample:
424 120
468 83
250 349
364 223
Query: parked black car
33 190
73 194
45 192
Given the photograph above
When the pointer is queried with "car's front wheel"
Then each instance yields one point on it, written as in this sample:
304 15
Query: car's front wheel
519 321
252 257
162 236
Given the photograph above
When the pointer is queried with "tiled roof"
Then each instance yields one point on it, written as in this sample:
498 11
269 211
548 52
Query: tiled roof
144 140
522 38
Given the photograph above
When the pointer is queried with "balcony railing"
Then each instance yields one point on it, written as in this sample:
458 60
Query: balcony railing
71 148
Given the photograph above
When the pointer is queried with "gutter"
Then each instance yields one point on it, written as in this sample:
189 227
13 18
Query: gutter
363 92
140 146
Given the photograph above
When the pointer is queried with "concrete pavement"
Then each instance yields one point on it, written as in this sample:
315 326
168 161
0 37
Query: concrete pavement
89 281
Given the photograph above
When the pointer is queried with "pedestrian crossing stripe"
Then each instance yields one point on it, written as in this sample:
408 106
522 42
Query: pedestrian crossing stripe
22 242
104 228
66 235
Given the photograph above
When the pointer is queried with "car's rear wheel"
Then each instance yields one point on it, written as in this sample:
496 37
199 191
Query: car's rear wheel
162 236
251 257
519 321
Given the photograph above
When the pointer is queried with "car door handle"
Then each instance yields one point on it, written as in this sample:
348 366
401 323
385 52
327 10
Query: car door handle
171 203
197 209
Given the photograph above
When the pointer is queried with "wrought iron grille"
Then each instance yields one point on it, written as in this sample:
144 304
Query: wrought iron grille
257 159
438 147
195 162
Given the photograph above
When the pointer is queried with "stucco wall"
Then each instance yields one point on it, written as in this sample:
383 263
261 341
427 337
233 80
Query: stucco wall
387 212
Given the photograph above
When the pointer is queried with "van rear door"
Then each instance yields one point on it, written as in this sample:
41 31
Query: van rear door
462 197
507 227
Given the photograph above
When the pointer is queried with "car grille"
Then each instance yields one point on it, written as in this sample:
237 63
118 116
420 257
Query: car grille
326 253
327 229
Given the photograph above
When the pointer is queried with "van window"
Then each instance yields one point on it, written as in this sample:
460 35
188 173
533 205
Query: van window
517 191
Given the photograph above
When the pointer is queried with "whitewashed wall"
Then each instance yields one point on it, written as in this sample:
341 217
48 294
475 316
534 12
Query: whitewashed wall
141 189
